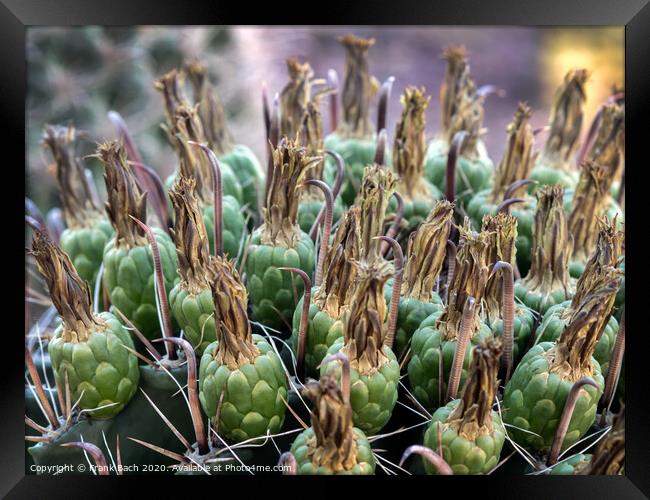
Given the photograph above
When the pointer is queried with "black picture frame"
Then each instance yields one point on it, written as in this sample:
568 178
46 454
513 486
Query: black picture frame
17 15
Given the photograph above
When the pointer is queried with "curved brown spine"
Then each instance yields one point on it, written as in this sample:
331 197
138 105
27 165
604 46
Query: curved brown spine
303 328
461 345
327 227
565 418
432 457
508 308
193 393
397 286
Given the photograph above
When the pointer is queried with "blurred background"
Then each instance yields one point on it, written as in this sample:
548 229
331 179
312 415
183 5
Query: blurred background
76 75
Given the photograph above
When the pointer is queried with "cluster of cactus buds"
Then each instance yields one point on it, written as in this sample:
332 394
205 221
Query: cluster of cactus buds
230 314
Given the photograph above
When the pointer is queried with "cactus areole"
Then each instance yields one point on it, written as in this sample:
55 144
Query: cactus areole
358 89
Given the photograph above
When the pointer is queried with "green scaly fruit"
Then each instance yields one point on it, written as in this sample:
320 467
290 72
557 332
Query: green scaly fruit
548 281
611 210
354 138
240 158
331 446
608 152
128 259
502 229
374 370
423 368
89 352
88 230
183 123
515 166
535 396
242 383
300 117
373 396
253 392
471 432
98 366
439 333
323 330
271 290
555 165
129 277
356 275
197 165
190 300
425 256
194 313
462 110
329 299
608 249
409 155
588 205
312 202
279 242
